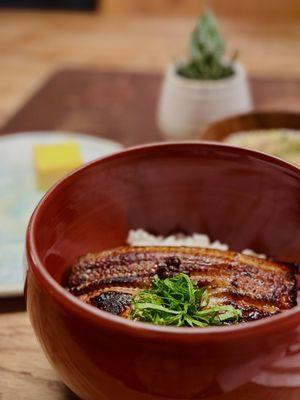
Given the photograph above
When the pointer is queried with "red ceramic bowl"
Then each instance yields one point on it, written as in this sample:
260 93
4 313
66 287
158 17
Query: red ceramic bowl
243 198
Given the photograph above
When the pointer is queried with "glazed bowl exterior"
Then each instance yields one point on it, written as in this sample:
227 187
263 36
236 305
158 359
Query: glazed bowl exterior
243 198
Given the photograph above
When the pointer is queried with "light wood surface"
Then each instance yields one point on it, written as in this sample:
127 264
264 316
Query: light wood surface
255 8
24 371
34 44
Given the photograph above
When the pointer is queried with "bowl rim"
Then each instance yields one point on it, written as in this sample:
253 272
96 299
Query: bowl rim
207 128
135 328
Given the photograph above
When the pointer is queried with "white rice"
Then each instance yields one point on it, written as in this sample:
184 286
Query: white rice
140 237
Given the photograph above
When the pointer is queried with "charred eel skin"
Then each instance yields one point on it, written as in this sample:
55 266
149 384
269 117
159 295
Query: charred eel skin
257 287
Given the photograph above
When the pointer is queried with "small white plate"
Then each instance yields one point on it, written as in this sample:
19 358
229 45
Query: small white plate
19 195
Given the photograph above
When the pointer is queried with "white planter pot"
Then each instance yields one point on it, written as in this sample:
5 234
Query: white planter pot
186 105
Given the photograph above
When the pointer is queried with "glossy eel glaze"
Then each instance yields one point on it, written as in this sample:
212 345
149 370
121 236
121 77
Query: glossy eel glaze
257 287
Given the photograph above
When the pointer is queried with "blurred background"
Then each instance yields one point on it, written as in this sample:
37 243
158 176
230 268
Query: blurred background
135 35
96 67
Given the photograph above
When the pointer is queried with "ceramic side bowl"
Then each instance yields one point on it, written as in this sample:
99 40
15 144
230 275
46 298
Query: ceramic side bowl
258 120
186 105
243 198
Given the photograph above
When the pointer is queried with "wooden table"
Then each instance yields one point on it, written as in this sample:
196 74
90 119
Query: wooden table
32 45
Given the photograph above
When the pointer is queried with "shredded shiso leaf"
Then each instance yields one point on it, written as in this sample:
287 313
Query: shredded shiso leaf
178 301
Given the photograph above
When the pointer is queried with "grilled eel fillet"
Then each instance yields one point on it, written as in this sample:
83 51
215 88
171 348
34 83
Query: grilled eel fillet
257 287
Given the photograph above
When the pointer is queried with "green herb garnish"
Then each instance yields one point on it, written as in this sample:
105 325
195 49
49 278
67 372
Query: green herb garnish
178 301
206 52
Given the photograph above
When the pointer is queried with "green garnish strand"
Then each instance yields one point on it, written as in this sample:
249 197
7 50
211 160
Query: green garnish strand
178 301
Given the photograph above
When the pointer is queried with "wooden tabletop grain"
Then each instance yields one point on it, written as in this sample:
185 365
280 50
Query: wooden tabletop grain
33 45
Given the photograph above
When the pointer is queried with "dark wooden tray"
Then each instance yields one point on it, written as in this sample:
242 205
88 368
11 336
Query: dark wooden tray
121 105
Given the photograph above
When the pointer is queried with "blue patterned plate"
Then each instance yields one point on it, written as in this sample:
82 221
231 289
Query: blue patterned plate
19 196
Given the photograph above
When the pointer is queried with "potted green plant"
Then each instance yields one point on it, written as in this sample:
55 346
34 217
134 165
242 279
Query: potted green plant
203 87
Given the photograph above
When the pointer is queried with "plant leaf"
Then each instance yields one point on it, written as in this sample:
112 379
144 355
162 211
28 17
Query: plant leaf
206 52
